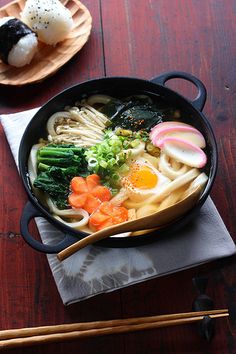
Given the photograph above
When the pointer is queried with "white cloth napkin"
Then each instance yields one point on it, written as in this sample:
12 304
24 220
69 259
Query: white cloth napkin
96 270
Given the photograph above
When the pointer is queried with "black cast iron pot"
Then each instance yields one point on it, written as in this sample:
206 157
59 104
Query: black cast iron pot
114 86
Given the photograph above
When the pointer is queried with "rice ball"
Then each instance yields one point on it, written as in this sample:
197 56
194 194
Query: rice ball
18 43
51 20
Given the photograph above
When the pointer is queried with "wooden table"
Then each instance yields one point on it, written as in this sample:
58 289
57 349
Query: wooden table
135 38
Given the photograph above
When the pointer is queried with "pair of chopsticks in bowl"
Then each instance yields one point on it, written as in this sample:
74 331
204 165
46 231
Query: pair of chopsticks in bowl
59 333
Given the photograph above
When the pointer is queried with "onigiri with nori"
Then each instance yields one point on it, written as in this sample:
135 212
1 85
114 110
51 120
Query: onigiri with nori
18 43
50 19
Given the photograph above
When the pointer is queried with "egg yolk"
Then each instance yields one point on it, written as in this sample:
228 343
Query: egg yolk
143 177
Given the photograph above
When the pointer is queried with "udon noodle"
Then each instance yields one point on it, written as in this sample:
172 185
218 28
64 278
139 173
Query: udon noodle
93 172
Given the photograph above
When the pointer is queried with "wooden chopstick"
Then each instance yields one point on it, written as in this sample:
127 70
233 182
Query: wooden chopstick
31 331
46 334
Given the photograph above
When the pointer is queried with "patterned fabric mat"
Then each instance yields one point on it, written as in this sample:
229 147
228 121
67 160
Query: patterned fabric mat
96 270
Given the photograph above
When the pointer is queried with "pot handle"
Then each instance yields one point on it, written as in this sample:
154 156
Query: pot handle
200 100
30 212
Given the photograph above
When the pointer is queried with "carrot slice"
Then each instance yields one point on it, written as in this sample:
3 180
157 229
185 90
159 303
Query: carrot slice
101 193
97 218
120 215
91 204
77 200
120 212
106 208
107 215
87 193
105 224
79 185
92 181
117 220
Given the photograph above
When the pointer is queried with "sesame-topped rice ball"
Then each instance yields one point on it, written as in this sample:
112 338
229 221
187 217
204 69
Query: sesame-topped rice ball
51 20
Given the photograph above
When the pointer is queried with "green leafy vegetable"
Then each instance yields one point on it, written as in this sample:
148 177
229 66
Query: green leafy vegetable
57 165
61 155
55 182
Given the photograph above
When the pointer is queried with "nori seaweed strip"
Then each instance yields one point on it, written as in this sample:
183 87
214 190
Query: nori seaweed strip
135 114
10 33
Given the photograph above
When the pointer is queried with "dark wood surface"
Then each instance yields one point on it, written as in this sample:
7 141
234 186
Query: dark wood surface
139 38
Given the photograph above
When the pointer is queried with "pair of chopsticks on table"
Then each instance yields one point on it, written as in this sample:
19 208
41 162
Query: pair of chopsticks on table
58 333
